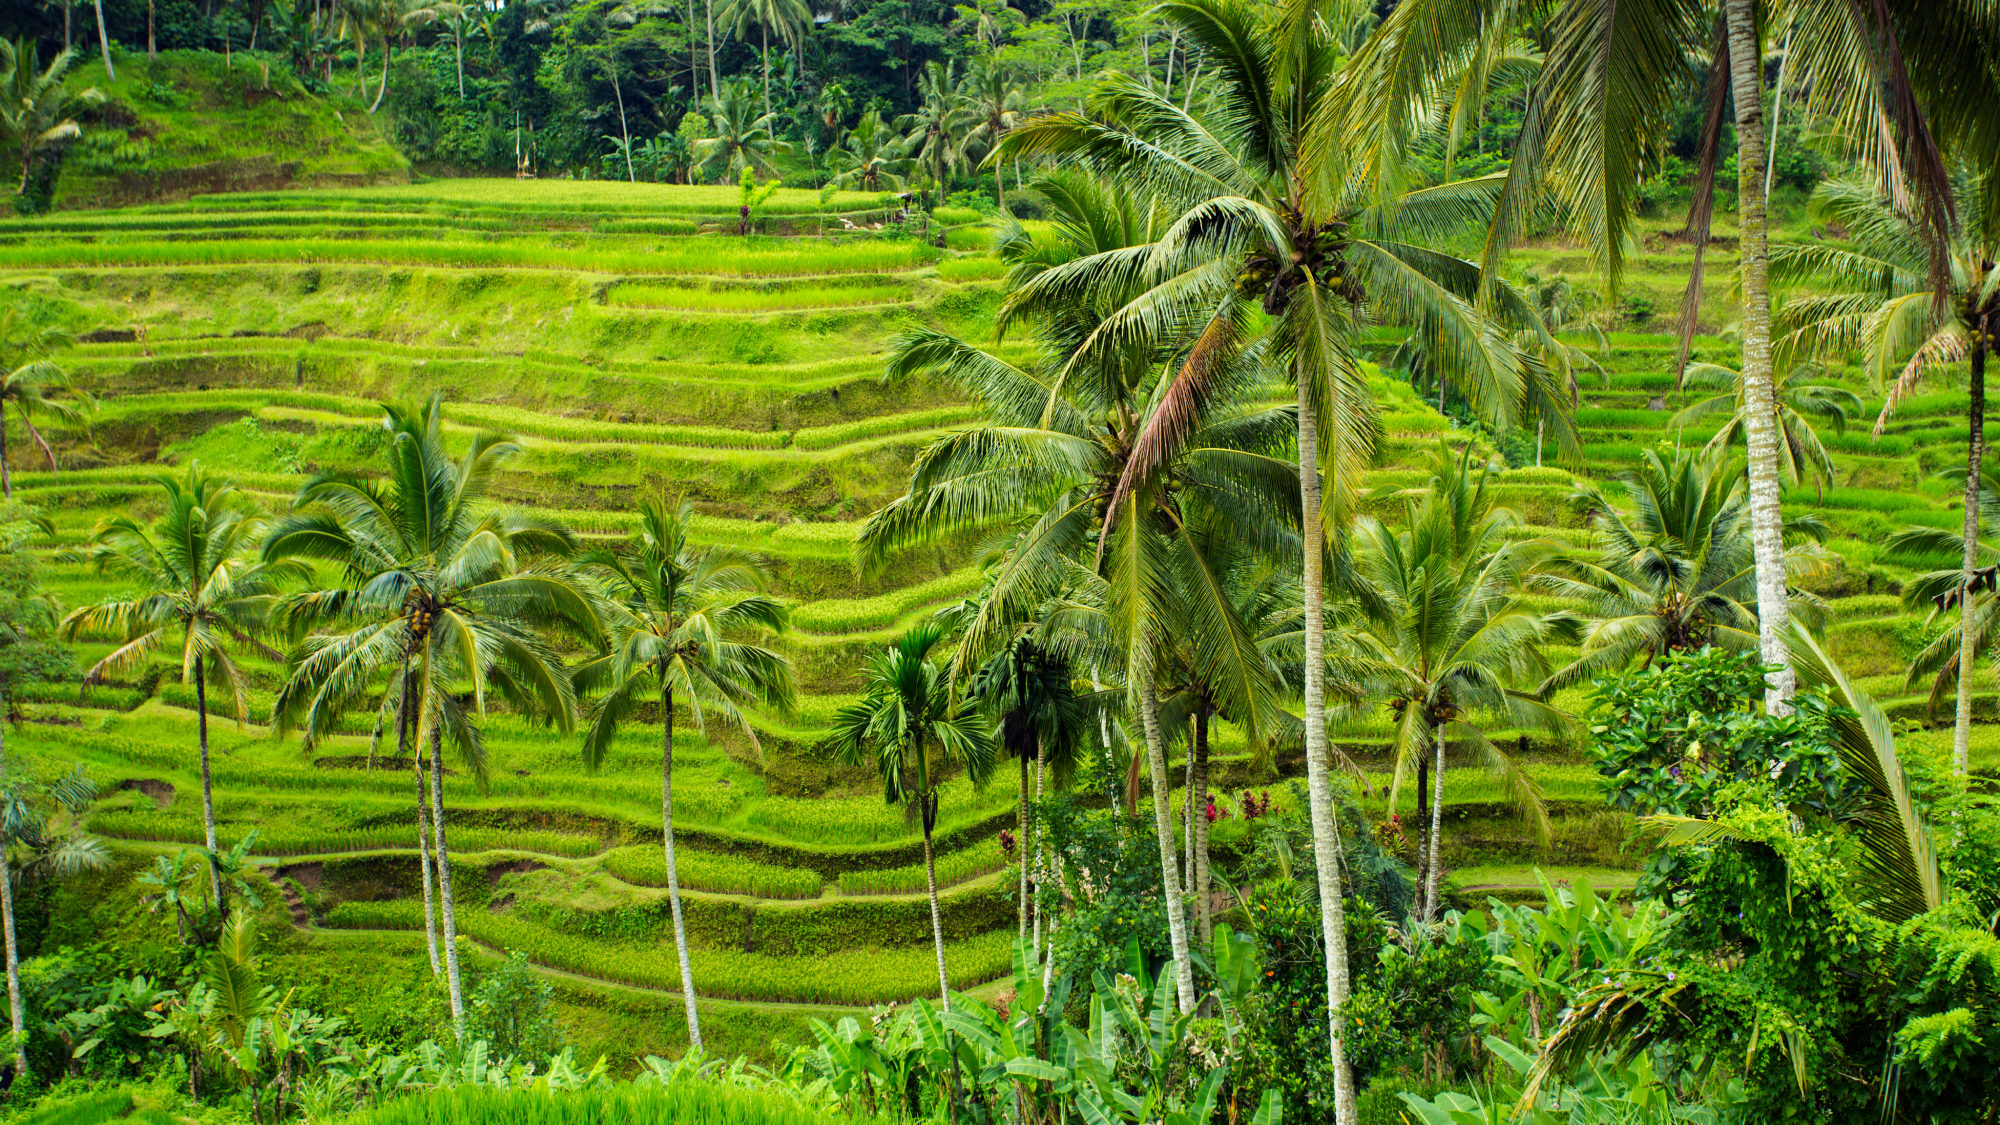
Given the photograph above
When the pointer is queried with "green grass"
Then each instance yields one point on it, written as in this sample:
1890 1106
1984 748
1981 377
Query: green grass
953 867
752 258
861 976
714 299
709 871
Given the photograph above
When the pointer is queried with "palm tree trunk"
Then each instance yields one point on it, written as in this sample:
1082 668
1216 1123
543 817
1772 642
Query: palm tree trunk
104 41
1170 878
1041 869
673 873
1433 871
152 49
930 882
1975 456
207 790
1201 872
425 850
714 81
1000 176
6 473
765 32
13 966
403 721
444 886
1767 519
1319 766
384 87
458 55
1021 843
361 66
631 176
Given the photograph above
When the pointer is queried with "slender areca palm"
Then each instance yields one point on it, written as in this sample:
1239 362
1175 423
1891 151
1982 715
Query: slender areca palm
676 619
1801 454
789 18
1255 228
916 727
29 377
1675 574
1877 293
202 589
1028 689
441 590
1451 636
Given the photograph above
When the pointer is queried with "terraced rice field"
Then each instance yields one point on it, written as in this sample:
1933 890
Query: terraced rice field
637 350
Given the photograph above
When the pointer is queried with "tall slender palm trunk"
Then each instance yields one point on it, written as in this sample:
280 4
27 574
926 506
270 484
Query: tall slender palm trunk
673 874
382 89
424 845
1170 877
104 41
765 32
449 912
1432 870
1200 787
426 848
14 1010
714 80
1767 519
207 788
1319 766
925 814
1041 868
1021 843
1975 456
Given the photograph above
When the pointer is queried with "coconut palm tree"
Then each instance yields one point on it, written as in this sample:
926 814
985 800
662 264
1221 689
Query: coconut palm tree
27 805
202 589
872 157
1451 637
1615 75
1253 230
994 104
681 623
916 727
935 131
789 18
742 138
1877 292
29 377
1801 455
1052 461
444 591
1674 574
37 111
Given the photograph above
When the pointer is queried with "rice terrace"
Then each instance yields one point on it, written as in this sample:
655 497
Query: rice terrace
1221 563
